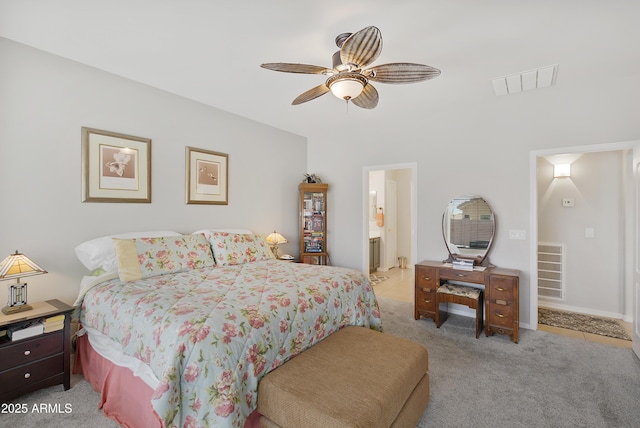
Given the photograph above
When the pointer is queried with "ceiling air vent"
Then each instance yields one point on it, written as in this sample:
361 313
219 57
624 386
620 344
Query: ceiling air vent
525 81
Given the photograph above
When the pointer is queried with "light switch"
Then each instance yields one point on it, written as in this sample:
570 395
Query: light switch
517 234
567 202
589 232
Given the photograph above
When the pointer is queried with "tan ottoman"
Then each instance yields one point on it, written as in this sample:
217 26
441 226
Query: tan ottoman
357 377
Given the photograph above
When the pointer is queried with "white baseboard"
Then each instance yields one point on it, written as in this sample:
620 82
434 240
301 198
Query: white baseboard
586 311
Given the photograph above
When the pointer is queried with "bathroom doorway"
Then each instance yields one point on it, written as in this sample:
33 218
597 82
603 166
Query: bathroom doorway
389 190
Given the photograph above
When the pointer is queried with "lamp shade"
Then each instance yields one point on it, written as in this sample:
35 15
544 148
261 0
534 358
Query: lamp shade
17 266
275 239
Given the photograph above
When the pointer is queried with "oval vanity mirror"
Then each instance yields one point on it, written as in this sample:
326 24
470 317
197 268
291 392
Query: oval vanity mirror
468 226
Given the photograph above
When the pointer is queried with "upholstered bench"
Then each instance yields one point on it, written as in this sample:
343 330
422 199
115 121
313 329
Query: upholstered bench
462 295
357 377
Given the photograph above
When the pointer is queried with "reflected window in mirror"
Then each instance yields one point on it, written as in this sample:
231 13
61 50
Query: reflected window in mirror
468 227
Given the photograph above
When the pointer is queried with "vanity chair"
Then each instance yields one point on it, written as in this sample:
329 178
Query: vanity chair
468 228
462 295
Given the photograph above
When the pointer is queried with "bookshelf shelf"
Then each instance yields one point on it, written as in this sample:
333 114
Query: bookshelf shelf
313 223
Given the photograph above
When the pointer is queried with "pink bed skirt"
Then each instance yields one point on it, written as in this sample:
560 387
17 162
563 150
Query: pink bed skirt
123 396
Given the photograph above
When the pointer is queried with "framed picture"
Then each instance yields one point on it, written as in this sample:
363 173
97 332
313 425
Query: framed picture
207 177
115 167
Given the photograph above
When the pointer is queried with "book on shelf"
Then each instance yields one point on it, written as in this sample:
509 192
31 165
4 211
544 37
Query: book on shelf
22 331
54 323
48 328
54 319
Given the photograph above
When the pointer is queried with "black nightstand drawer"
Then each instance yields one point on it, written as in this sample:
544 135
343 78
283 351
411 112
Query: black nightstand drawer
36 362
28 374
32 349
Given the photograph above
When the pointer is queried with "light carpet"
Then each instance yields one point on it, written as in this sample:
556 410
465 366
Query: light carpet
581 322
546 380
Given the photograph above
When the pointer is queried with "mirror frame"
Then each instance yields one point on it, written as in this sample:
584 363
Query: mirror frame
480 260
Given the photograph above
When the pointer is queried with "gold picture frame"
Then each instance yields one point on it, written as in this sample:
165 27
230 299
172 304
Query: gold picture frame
115 167
207 177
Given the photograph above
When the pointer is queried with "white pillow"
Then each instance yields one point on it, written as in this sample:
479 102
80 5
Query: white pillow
101 252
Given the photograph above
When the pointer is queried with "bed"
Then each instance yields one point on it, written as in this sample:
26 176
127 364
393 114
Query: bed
191 323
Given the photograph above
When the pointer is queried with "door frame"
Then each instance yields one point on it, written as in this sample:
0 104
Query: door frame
533 193
413 166
390 220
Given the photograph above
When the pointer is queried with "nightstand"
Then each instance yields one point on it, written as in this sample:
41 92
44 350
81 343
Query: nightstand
39 361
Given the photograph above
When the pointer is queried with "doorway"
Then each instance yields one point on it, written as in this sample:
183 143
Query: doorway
628 201
394 182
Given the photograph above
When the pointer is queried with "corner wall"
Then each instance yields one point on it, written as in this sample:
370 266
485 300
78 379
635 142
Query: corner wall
44 102
463 148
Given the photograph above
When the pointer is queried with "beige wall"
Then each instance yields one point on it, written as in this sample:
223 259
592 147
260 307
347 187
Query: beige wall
468 148
594 266
462 148
44 102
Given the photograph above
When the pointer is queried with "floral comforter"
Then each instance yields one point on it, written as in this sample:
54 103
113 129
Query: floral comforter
210 335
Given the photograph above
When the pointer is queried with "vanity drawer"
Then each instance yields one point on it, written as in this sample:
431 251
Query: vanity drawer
501 289
29 350
425 300
500 315
476 277
426 277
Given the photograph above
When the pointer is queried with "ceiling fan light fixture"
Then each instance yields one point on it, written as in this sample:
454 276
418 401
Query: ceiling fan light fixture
350 76
347 86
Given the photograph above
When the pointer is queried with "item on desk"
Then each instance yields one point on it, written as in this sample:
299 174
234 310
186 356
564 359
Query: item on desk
463 264
22 332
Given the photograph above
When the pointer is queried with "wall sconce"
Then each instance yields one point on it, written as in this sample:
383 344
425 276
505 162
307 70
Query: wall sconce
274 239
562 170
17 266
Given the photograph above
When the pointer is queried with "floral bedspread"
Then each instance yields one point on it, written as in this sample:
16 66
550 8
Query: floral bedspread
210 335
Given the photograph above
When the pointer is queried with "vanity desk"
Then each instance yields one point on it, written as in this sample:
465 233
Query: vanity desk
500 295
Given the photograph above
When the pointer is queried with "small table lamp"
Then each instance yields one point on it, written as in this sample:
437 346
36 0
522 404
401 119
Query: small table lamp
274 239
17 266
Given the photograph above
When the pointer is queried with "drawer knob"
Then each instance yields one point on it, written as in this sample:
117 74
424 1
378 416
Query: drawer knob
461 275
499 315
426 278
27 375
27 352
427 301
426 290
499 288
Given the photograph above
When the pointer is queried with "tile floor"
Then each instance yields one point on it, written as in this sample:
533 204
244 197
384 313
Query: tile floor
399 286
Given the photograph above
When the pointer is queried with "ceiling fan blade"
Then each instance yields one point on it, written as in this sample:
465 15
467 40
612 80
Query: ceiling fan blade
311 94
296 68
401 72
368 98
362 48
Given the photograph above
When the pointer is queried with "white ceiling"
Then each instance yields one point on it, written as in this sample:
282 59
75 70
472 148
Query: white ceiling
210 51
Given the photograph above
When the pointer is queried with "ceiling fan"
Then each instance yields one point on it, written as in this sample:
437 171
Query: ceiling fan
349 79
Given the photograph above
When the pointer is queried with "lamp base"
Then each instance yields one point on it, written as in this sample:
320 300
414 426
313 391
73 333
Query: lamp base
9 310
